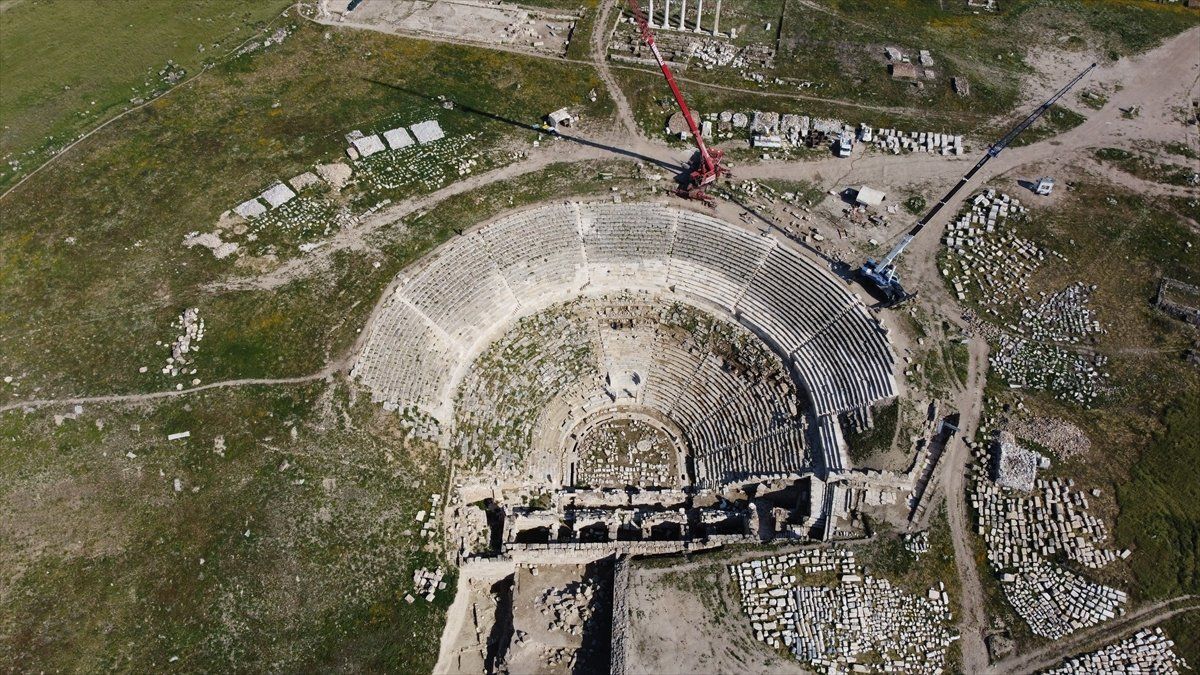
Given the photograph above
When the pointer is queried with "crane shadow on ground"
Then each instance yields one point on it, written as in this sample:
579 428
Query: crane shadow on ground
838 267
541 129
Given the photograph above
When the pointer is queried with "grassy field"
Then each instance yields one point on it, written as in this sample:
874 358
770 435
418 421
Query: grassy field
866 443
1185 631
1148 168
94 265
887 557
69 64
1160 504
288 542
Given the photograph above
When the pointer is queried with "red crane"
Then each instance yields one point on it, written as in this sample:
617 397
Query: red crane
708 168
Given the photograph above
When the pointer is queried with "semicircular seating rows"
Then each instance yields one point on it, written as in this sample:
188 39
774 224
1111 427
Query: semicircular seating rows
739 413
445 311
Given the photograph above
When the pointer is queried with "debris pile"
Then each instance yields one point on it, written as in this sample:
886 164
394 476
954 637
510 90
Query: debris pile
896 142
633 453
1051 521
427 583
568 608
1024 533
1035 341
190 329
1063 316
917 542
830 626
1063 438
1071 376
1056 603
429 519
988 263
1146 651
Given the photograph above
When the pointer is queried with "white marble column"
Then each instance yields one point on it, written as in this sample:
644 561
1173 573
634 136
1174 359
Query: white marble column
699 14
717 19
667 15
682 14
652 13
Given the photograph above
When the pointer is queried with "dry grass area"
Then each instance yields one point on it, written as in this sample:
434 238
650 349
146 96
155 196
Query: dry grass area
279 535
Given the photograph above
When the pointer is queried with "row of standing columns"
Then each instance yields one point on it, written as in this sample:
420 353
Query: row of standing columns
682 23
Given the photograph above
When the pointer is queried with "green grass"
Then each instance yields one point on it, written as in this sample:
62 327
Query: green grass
866 443
915 205
69 64
1184 629
887 557
108 567
1160 505
82 317
1181 149
1146 168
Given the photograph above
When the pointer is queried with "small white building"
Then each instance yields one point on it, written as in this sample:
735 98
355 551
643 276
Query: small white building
560 118
1044 186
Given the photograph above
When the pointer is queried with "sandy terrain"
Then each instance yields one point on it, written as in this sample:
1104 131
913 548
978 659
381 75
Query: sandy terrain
675 630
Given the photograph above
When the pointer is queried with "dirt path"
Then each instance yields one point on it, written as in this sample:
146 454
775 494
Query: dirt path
354 238
599 54
972 619
328 370
1090 639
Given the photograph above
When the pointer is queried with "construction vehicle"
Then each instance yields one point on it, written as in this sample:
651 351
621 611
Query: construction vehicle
881 276
706 168
845 144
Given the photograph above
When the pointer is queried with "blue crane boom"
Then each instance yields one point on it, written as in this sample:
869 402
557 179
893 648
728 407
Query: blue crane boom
881 275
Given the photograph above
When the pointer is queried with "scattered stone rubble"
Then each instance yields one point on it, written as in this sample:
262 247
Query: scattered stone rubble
778 130
833 627
1056 603
896 141
916 542
306 209
186 343
987 263
1063 316
1147 651
429 520
1063 438
634 453
426 583
1025 532
568 608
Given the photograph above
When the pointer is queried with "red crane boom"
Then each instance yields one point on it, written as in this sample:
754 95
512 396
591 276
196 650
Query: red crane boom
709 167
